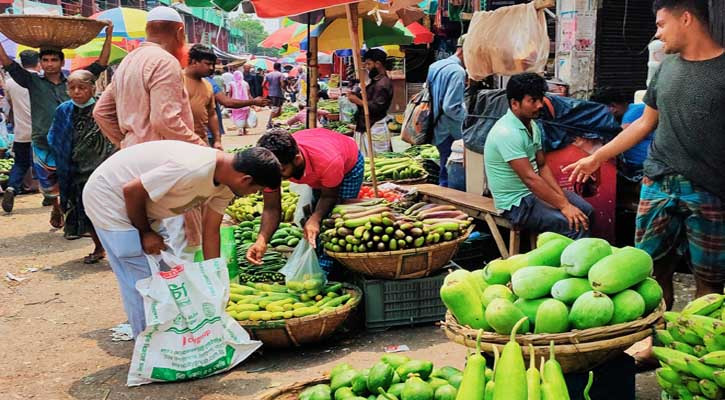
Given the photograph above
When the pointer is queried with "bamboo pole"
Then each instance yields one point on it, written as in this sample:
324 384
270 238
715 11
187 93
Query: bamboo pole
352 19
312 60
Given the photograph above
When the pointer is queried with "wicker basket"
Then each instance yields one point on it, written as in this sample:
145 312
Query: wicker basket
291 391
402 264
299 331
333 117
576 351
46 31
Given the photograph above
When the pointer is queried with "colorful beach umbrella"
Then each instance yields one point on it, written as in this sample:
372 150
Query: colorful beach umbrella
279 38
89 52
261 63
335 35
128 23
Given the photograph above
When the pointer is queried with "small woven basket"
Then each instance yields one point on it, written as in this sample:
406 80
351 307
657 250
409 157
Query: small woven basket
576 351
402 264
45 31
295 332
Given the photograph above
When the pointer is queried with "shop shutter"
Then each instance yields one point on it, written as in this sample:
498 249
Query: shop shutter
624 28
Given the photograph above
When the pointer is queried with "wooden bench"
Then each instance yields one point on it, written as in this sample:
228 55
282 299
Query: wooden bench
479 207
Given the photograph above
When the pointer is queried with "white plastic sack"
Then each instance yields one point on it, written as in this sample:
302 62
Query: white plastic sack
381 139
252 118
507 41
188 334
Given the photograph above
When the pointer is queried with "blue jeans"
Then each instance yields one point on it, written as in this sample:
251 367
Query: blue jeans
457 178
23 162
535 215
444 149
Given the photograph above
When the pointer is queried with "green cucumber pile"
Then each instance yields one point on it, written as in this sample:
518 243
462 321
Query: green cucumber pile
268 302
371 226
394 377
394 169
272 261
285 238
6 164
691 350
559 286
250 207
424 151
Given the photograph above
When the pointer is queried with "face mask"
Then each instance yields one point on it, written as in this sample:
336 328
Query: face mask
90 102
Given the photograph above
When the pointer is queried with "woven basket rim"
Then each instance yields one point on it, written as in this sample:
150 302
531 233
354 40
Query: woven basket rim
291 322
574 337
424 249
83 30
273 394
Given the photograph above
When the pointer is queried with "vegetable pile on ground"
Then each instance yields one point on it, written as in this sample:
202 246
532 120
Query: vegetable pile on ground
6 164
266 302
394 169
272 260
370 226
250 207
559 286
693 350
238 149
393 377
288 111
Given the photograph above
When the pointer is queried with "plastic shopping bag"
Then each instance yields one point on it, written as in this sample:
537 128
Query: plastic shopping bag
303 273
188 334
507 41
252 118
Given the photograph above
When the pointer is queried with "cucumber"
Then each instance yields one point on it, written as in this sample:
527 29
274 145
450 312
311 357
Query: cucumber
292 242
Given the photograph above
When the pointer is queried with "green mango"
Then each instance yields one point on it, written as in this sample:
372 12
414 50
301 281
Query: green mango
445 392
416 389
381 376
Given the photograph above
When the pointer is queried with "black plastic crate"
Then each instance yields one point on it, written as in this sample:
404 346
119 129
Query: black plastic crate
475 253
390 303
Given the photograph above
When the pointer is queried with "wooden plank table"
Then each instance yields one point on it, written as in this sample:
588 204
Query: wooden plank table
479 207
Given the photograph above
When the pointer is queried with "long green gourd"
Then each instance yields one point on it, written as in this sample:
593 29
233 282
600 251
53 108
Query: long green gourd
547 391
473 385
491 385
554 376
510 376
533 377
589 386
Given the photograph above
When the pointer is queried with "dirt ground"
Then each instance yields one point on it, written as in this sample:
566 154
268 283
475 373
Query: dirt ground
56 342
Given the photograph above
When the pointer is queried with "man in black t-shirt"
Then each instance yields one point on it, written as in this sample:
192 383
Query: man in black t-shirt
681 209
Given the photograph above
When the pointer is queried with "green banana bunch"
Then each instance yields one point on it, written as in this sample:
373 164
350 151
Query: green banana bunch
692 350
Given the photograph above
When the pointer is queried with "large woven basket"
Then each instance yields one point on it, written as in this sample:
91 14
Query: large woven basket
402 264
576 351
291 391
45 31
298 331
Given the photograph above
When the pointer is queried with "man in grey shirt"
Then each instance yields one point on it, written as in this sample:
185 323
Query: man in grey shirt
681 209
277 86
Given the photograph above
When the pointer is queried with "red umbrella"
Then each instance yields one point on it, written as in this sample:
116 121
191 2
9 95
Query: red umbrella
421 33
280 37
276 8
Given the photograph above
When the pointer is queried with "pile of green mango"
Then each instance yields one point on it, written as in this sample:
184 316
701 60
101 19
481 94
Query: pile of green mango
691 350
559 286
394 377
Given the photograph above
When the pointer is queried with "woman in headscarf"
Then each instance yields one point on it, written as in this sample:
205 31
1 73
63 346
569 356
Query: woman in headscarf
79 147
240 91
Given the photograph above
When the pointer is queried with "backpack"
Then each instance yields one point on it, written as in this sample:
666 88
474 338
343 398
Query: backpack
418 121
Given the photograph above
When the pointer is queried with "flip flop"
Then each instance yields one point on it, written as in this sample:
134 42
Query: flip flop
56 219
93 258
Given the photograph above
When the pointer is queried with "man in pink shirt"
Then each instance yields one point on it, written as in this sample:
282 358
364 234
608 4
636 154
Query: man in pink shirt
327 161
147 101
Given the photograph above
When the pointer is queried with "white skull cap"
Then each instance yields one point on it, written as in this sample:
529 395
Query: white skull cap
163 13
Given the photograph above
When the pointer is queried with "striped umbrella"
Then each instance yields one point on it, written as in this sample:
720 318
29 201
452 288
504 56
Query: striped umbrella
129 23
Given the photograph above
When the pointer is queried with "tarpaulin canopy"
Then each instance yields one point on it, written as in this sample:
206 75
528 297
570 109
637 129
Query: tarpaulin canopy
277 8
312 11
280 37
421 33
